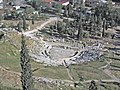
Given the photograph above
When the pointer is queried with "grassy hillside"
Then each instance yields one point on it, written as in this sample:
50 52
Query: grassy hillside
9 60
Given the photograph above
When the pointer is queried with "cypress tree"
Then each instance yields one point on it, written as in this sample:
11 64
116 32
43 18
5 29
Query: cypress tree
19 27
99 24
91 24
24 24
26 73
70 11
80 30
66 12
104 26
80 21
33 18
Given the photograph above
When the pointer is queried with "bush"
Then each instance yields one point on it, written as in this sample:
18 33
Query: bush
85 35
1 17
4 26
107 35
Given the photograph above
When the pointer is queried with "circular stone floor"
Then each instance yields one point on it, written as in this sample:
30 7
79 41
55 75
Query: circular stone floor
57 53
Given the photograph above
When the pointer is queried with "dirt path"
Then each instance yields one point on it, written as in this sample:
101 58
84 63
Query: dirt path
70 76
106 70
28 33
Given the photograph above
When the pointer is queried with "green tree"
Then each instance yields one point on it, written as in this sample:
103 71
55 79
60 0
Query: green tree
29 10
59 27
36 4
80 30
58 7
24 23
99 24
66 12
80 21
70 10
92 23
104 27
33 20
109 4
19 27
1 17
26 73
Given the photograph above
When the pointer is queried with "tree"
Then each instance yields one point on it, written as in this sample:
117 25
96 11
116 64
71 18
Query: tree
70 10
36 3
58 7
24 23
66 12
99 24
19 27
112 23
92 23
109 4
33 20
80 21
26 73
104 27
93 86
80 30
29 10
59 27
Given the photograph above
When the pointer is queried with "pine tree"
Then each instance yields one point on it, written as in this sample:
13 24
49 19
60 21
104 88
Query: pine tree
26 73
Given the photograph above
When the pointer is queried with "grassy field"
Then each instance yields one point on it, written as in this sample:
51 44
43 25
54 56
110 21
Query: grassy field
9 56
116 64
102 86
89 71
9 59
7 88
